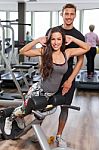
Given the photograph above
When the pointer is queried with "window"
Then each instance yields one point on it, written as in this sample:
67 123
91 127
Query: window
41 23
14 16
76 21
90 18
28 21
2 18
55 19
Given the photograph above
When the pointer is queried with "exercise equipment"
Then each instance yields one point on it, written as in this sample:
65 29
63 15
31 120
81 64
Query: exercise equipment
41 109
97 50
7 40
10 101
6 99
15 22
10 54
82 82
7 77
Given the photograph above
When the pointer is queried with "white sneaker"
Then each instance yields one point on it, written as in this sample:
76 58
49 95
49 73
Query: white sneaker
60 142
19 111
8 126
20 122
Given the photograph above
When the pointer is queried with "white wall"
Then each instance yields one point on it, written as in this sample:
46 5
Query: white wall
58 6
9 6
34 6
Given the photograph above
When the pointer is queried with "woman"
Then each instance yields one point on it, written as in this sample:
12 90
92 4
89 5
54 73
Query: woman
54 63
93 40
28 37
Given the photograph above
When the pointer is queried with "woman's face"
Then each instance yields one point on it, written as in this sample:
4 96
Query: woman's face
56 41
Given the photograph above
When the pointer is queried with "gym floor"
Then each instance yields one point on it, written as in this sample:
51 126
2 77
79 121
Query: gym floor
81 131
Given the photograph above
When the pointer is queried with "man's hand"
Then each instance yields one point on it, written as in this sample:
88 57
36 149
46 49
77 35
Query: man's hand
66 86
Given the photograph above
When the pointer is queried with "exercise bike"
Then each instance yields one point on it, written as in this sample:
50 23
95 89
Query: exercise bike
41 109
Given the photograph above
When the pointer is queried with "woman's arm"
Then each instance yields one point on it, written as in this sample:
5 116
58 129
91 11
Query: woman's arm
83 47
80 43
28 49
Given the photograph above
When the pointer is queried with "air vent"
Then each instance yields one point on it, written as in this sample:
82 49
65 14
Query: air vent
32 0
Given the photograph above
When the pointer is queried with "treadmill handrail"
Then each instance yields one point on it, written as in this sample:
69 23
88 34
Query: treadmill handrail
12 51
5 59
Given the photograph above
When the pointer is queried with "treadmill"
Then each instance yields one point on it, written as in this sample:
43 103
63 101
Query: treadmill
5 99
82 82
20 76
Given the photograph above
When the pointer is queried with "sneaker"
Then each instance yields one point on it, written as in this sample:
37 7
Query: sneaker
34 138
8 126
19 111
89 77
20 122
60 142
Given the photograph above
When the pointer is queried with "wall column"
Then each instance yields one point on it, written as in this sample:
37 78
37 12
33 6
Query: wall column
21 28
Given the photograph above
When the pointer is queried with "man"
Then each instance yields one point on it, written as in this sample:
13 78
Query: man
68 83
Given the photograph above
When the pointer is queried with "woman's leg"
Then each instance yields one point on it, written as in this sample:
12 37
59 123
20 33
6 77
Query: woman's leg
17 114
20 111
62 119
64 115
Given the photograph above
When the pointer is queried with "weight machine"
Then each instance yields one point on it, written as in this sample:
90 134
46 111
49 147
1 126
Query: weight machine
41 109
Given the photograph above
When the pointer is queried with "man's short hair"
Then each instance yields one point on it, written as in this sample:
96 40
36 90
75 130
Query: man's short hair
69 5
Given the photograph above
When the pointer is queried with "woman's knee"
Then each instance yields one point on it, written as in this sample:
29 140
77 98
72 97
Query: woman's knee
64 113
28 106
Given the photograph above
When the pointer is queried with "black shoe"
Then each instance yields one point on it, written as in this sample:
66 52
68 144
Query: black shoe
89 76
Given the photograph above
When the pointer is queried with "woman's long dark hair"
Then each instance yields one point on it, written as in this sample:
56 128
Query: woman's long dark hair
47 62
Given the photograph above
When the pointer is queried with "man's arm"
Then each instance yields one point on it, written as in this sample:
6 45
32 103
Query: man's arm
68 83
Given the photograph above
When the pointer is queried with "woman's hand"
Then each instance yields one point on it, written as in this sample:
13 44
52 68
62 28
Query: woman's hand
69 39
43 40
66 86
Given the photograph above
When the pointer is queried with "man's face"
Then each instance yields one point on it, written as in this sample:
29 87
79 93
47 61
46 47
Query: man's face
68 15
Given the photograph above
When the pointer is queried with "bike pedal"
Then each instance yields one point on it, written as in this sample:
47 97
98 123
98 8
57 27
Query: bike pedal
2 113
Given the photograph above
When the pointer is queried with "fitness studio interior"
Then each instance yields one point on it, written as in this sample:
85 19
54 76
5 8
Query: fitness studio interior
21 22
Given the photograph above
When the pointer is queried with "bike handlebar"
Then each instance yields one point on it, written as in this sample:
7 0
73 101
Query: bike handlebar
50 110
72 107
